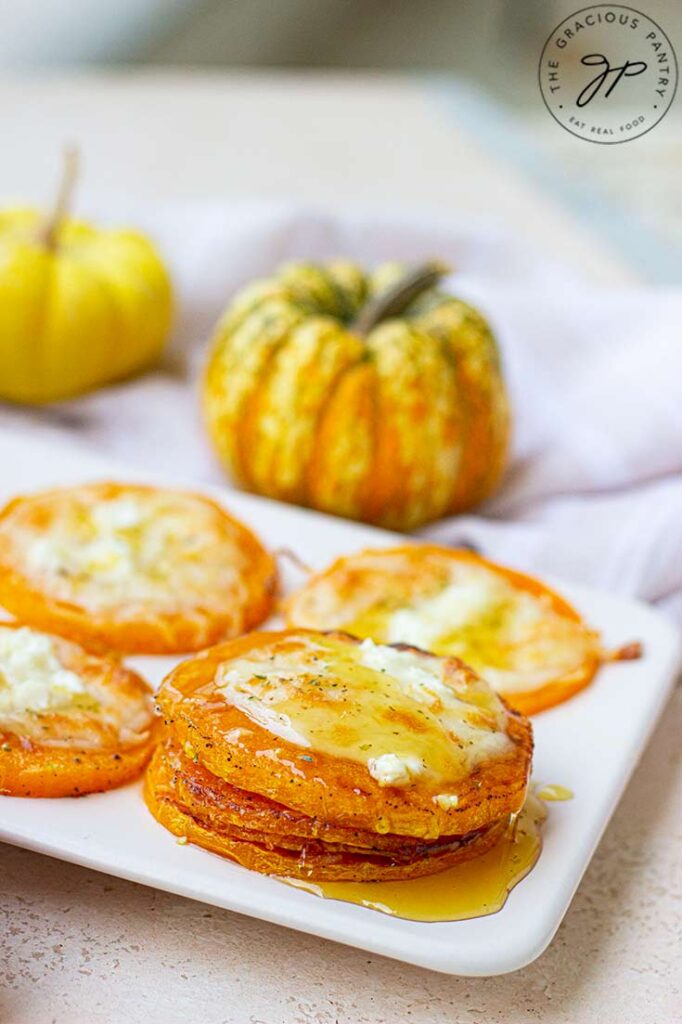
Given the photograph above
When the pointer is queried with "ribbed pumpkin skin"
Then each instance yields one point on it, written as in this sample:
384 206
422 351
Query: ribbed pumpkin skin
399 428
93 309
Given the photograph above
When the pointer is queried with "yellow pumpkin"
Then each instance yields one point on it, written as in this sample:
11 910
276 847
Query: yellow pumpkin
372 396
79 307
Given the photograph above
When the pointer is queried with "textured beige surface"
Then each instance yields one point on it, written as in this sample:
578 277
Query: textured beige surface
80 947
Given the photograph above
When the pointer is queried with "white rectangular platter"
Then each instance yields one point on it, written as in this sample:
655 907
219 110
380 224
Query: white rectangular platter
591 744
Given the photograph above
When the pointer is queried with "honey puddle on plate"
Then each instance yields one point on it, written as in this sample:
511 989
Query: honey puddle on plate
554 792
473 889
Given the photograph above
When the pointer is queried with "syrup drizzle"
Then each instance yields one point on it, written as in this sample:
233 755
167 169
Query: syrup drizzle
554 792
474 888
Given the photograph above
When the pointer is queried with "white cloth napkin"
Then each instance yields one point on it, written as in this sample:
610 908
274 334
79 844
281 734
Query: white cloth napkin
594 490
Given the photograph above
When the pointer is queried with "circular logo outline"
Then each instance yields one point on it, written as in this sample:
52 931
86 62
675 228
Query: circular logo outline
620 7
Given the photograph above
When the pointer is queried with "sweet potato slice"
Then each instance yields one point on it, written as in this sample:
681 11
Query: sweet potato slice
132 568
314 860
521 636
71 722
485 762
222 807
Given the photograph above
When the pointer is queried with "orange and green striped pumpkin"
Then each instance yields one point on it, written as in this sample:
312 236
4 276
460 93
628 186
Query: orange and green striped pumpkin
373 396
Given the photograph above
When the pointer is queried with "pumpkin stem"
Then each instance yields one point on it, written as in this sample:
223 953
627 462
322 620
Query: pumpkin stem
49 233
397 298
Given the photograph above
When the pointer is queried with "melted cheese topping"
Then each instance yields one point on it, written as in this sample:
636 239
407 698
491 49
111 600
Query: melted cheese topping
394 770
446 800
456 606
54 694
405 715
133 549
514 638
31 676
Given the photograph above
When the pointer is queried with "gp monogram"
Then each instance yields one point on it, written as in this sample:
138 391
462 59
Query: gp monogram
608 74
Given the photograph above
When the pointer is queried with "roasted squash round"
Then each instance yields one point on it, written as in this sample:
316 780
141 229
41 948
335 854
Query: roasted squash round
132 568
71 722
206 811
376 738
523 638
